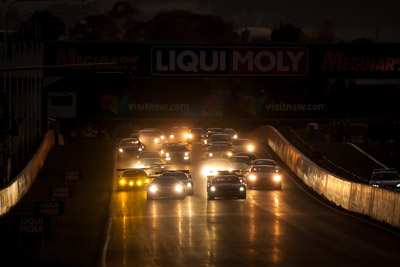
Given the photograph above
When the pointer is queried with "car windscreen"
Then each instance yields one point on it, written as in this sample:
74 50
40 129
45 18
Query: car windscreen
240 159
267 169
218 137
387 176
265 162
165 180
176 148
134 173
219 148
178 175
226 179
129 143
151 161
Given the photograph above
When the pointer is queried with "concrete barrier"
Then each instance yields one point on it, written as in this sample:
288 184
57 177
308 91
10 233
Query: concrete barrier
10 195
380 204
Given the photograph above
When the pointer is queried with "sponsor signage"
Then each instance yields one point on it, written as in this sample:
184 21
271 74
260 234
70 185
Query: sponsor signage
35 225
270 60
72 175
226 61
96 57
50 208
60 191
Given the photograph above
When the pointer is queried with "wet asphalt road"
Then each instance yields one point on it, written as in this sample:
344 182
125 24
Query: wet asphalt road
270 228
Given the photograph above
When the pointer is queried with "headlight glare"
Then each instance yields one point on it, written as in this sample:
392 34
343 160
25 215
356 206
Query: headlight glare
121 150
179 188
212 188
252 177
277 178
153 188
250 148
241 188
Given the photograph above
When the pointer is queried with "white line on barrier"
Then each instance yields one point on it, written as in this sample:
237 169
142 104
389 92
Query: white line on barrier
335 208
111 215
368 155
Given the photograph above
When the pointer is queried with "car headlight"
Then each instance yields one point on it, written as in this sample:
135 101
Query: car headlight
162 137
189 136
140 149
139 182
235 136
205 142
397 185
121 150
229 154
252 177
250 148
167 154
130 183
162 152
139 166
122 181
171 136
277 178
241 188
212 188
186 154
210 154
205 170
153 188
179 188
156 140
147 181
189 185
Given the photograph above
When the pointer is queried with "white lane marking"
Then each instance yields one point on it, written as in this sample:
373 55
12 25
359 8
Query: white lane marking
111 215
335 208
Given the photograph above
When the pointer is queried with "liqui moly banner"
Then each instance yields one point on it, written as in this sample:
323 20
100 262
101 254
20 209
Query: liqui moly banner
229 61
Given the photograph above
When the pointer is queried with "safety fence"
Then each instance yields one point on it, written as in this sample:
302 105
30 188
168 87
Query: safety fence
10 195
380 204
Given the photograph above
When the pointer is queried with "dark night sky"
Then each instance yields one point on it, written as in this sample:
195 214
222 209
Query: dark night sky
350 19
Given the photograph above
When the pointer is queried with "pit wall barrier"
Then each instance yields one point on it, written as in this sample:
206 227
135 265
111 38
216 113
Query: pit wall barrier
12 194
380 204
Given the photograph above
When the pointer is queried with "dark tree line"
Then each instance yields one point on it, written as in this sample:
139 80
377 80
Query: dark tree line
120 24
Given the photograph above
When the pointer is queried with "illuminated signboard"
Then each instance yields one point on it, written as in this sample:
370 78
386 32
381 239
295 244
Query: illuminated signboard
225 61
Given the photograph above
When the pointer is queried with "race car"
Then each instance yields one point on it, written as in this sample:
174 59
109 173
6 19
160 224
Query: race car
264 176
166 187
129 147
226 186
133 179
184 176
176 153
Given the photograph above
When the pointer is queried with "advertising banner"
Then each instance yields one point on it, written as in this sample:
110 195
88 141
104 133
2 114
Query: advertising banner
225 61
269 60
